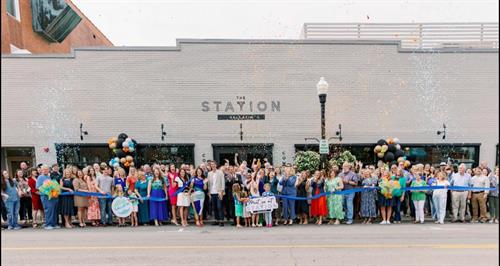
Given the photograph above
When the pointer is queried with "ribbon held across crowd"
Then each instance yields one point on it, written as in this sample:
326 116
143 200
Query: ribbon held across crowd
340 192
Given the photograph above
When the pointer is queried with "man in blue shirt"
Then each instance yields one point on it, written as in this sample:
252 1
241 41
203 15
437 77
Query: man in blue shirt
49 205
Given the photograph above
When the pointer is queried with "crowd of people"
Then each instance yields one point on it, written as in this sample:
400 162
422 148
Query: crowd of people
221 192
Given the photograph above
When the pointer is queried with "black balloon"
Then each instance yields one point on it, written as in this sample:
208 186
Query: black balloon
399 153
119 153
391 148
122 136
381 142
389 157
119 143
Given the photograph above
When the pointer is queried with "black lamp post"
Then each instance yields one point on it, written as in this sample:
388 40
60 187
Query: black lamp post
322 88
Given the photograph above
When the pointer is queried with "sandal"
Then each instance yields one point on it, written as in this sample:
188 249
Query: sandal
35 225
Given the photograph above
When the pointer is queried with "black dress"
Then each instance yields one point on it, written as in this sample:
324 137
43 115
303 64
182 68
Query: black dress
301 205
67 202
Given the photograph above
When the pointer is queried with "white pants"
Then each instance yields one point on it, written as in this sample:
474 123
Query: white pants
440 206
419 210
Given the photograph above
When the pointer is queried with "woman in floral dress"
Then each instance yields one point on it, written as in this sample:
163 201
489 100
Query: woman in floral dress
94 212
368 197
334 201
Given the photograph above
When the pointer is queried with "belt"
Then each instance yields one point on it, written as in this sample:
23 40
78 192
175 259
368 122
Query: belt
477 192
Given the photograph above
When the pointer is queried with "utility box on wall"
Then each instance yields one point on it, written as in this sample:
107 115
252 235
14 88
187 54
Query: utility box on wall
54 20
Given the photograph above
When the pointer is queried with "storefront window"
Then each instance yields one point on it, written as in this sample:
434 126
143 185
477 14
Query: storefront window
82 155
417 153
13 156
165 154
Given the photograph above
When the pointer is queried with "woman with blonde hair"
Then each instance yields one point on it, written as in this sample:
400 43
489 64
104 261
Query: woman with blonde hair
81 202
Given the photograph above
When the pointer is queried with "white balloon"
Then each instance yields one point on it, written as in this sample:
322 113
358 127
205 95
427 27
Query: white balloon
125 144
396 140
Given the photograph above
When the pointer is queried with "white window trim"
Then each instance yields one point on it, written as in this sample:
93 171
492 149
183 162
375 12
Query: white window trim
17 10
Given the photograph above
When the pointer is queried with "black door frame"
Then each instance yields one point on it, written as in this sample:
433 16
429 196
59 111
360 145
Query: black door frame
267 147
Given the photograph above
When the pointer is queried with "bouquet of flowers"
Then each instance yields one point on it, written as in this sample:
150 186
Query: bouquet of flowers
387 188
50 188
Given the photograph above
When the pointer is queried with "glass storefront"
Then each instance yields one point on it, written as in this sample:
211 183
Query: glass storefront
418 153
85 154
13 156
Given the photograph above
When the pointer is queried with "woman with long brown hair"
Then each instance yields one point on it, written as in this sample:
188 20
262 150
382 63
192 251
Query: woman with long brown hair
81 202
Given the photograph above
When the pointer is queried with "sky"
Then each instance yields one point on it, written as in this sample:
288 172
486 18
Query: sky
161 22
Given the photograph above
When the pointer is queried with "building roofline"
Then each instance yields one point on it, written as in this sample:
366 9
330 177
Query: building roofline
179 43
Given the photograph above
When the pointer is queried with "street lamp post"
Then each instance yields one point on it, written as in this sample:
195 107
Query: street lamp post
322 88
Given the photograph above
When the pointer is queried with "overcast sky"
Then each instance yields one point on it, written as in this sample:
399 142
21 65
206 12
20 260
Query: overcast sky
161 22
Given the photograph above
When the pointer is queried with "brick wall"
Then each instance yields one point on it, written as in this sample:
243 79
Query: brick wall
375 92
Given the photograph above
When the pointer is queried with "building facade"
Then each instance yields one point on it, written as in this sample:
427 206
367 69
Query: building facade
20 19
257 98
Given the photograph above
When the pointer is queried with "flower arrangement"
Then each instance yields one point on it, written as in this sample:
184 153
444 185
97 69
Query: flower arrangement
307 160
345 156
387 188
50 188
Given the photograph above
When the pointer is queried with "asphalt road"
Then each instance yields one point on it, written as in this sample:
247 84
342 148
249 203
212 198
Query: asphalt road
406 244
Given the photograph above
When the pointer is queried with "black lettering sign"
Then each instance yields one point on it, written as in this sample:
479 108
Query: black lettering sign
241 117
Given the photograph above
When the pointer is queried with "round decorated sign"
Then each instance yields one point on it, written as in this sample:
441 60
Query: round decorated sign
121 207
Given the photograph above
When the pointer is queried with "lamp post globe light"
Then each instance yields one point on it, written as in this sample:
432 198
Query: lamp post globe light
322 88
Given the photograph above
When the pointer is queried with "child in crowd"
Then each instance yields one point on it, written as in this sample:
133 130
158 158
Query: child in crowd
119 193
134 200
268 215
246 214
238 204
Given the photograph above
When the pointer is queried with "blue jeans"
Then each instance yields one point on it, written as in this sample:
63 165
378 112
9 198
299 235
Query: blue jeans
397 208
50 209
349 206
105 207
288 209
12 212
217 207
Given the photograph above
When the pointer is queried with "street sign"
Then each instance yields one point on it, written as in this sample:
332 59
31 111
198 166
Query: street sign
323 147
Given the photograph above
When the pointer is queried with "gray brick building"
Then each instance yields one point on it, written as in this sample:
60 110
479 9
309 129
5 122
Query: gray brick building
196 89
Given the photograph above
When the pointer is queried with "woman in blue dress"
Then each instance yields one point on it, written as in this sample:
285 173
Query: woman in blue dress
198 195
141 188
368 197
157 188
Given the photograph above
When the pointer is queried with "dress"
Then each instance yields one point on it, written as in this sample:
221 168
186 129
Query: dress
131 180
238 206
94 212
157 209
198 196
318 206
143 208
172 188
81 201
183 199
35 198
334 201
67 201
368 197
301 205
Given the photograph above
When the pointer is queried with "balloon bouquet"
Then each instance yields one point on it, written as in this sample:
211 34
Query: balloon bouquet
390 151
124 149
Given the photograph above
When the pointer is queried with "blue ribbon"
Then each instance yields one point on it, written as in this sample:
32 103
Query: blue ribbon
340 192
361 189
107 196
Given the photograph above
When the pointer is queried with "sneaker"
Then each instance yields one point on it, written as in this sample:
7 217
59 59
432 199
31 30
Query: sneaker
383 222
388 222
348 222
49 227
57 227
10 228
221 224
17 227
436 222
441 222
491 221
421 222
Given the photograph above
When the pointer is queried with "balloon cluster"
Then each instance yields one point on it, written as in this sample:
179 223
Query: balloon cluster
124 149
389 150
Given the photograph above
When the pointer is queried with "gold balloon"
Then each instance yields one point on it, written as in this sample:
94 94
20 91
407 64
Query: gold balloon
123 160
380 155
390 141
377 149
384 148
129 158
112 145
